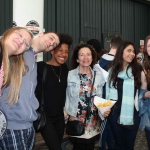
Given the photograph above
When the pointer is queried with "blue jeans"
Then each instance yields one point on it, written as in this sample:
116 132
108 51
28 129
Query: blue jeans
124 139
147 132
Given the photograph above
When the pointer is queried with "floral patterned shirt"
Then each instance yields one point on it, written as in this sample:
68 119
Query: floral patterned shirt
92 127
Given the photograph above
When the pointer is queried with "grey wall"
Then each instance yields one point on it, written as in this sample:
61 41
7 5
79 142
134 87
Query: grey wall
6 15
86 19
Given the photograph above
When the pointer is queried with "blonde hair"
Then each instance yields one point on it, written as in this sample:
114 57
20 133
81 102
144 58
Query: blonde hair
14 67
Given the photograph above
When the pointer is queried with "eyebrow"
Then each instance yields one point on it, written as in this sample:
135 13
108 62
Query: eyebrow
55 44
53 37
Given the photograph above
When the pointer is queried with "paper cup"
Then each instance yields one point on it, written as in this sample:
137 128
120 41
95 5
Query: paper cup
98 100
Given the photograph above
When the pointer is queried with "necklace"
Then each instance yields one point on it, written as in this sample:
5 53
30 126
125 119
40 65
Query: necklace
56 74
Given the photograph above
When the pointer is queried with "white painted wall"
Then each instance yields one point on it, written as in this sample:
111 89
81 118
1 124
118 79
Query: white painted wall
27 10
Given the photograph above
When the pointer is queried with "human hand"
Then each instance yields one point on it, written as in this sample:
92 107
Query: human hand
106 113
146 95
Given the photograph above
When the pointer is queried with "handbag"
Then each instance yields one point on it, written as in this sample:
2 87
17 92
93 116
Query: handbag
75 127
41 119
128 127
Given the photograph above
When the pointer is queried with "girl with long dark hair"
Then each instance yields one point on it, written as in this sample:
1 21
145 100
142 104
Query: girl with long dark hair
123 84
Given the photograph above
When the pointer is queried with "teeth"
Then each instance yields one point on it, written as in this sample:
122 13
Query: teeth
62 58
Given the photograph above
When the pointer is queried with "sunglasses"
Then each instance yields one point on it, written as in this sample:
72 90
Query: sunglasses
138 58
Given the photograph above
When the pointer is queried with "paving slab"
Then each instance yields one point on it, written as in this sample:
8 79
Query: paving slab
140 143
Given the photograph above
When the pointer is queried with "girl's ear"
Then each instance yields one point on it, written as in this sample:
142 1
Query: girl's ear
52 52
77 60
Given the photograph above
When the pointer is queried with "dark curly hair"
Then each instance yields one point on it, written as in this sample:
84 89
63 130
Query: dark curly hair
75 53
117 65
65 39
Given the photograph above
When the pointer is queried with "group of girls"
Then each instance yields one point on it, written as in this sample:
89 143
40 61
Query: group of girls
126 83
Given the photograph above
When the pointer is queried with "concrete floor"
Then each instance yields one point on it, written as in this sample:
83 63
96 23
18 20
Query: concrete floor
140 143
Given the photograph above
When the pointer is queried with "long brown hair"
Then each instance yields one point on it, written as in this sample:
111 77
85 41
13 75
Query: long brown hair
117 65
14 67
146 61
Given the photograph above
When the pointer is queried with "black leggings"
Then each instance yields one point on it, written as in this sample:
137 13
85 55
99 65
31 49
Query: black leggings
53 132
78 146
147 132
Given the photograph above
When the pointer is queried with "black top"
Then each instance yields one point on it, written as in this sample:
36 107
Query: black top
148 86
55 91
117 106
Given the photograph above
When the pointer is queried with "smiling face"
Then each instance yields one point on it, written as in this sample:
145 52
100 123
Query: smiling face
48 41
84 57
138 58
128 55
18 42
60 54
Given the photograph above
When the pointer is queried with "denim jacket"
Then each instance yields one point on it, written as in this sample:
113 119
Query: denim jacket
73 87
144 111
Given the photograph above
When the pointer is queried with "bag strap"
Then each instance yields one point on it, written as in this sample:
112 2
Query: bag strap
43 86
89 98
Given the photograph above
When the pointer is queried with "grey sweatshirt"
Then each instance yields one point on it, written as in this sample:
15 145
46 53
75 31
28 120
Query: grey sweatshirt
22 114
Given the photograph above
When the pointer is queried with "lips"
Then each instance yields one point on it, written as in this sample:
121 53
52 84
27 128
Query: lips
85 61
16 43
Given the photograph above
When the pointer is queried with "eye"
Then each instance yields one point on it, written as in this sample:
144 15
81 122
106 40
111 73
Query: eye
19 34
88 54
27 45
80 54
51 38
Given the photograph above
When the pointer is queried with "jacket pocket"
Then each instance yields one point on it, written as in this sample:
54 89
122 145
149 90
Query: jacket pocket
71 89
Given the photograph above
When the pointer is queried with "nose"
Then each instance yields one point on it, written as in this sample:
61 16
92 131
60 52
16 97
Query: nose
21 40
85 56
52 42
133 53
63 53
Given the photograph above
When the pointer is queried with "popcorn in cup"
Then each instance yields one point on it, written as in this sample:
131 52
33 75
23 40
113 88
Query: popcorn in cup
103 104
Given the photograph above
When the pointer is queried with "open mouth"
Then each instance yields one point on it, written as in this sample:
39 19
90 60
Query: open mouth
61 58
